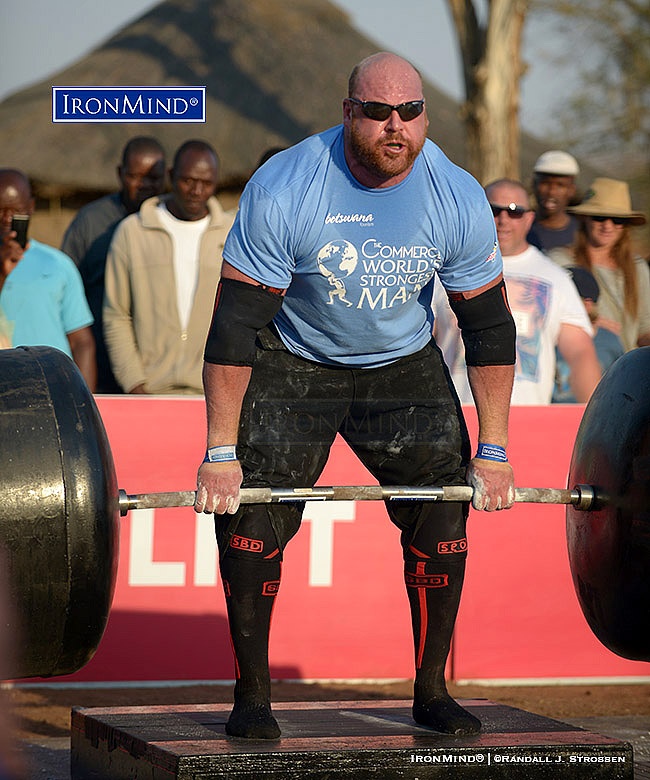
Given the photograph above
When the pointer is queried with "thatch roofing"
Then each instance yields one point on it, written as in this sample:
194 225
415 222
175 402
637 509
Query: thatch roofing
275 71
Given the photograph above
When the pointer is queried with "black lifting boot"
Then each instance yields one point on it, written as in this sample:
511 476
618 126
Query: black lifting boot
250 587
434 595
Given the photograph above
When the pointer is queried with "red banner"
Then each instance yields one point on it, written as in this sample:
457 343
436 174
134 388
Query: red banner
519 616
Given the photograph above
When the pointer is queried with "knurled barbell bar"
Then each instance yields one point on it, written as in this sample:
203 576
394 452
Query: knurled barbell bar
581 496
61 508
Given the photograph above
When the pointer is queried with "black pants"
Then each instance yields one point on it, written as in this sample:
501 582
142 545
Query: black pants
405 424
403 421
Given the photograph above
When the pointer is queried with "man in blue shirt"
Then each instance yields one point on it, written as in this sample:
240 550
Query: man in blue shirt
42 297
322 325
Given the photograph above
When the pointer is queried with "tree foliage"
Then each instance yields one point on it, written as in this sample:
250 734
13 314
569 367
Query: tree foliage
607 53
609 117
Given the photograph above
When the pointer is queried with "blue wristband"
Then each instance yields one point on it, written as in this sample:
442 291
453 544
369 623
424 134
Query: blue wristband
220 454
491 452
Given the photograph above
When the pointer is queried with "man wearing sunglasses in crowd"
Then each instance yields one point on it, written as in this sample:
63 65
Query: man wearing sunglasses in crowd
322 325
549 313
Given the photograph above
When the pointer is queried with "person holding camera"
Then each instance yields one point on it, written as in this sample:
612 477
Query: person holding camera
42 300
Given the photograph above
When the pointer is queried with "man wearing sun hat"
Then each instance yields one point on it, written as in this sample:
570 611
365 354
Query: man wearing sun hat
554 187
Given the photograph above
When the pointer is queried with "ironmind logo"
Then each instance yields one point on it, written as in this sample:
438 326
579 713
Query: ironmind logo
128 104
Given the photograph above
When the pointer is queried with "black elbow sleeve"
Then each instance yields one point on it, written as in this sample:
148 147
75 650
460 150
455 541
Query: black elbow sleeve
241 310
487 327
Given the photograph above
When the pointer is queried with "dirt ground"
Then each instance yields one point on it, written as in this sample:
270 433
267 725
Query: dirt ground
45 711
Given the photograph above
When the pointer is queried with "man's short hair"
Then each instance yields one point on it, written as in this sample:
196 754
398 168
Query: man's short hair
194 144
139 144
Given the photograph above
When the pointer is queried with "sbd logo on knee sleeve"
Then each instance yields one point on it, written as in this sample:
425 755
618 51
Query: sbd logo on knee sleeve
426 580
455 546
270 588
242 543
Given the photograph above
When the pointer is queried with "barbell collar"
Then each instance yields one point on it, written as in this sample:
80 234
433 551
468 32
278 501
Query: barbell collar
581 496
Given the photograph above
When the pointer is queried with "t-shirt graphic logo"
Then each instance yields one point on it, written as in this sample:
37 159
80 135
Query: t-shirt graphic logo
337 260
530 301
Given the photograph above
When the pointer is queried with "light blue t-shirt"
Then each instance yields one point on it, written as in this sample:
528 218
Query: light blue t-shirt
43 299
359 264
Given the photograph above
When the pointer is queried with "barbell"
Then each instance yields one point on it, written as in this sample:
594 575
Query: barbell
61 507
581 496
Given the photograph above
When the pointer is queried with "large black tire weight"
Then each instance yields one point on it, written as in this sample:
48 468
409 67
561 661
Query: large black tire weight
59 515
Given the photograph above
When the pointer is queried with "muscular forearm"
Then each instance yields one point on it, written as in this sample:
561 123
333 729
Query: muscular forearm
225 387
492 387
493 481
218 484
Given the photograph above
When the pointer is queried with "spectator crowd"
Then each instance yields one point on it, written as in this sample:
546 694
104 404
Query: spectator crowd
130 293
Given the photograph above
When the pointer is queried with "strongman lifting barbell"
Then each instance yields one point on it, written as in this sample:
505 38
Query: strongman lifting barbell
61 507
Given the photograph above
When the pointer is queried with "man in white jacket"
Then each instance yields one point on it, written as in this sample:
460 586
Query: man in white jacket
162 269
545 304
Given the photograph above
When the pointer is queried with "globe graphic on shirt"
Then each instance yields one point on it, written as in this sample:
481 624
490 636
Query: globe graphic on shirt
338 258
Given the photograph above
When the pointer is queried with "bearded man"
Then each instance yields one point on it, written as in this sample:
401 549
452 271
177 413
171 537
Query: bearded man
374 211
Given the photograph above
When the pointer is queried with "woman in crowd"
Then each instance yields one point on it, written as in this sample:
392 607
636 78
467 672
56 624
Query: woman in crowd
603 245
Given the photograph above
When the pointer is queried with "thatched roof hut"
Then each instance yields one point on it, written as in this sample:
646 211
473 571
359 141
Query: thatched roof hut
274 70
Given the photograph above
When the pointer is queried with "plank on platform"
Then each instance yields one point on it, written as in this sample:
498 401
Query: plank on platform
363 740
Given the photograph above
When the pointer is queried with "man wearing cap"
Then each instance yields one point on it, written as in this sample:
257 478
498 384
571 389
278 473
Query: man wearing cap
554 187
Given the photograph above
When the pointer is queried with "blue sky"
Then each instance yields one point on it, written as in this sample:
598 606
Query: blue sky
44 37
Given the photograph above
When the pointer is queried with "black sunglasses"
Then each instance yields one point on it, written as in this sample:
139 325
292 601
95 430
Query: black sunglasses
615 220
381 111
512 209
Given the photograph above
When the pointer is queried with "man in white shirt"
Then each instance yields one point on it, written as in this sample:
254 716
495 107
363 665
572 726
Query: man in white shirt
546 307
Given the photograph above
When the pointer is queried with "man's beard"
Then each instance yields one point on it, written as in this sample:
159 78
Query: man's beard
372 157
